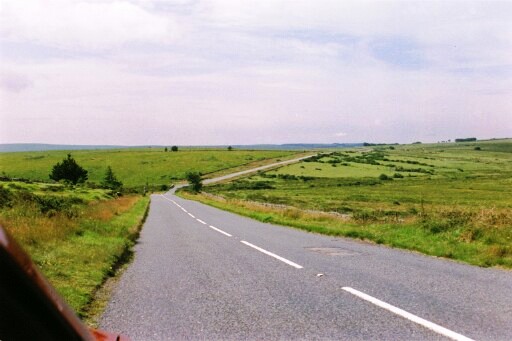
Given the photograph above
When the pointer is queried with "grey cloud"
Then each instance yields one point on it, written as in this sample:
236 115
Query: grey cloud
14 83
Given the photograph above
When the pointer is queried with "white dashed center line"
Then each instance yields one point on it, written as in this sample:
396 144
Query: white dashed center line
295 265
219 230
427 324
411 317
199 220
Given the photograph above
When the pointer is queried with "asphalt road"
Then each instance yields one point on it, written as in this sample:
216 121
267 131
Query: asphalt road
204 274
253 170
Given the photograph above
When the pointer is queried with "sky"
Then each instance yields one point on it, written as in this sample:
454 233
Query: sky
207 72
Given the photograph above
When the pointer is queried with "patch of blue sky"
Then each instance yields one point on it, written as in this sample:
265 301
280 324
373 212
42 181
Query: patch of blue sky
398 52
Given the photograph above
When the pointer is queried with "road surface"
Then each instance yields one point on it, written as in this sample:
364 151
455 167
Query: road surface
200 273
254 170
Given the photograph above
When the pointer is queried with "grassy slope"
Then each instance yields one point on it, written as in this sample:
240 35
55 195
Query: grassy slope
76 246
462 210
134 167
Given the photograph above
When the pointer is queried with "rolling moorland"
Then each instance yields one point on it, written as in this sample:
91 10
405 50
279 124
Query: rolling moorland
451 200
78 235
134 167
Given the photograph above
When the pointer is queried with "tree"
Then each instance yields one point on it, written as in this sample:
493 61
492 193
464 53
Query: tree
68 170
165 149
194 179
110 180
230 148
174 148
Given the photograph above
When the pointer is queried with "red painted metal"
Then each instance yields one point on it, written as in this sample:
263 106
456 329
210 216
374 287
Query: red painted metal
30 308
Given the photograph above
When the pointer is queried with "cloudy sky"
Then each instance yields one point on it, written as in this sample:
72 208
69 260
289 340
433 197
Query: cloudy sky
243 72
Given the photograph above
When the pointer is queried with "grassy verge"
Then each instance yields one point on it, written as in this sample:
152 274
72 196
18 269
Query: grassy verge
449 200
477 246
78 243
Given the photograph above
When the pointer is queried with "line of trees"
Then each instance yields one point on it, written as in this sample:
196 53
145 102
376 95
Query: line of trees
468 139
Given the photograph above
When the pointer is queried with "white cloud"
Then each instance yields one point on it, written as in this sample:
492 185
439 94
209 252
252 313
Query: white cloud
252 72
453 32
83 24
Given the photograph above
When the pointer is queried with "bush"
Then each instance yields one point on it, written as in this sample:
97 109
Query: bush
5 197
364 215
68 170
194 179
384 177
110 181
287 177
255 185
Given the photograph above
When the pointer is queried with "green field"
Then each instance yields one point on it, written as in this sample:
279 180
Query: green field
452 200
134 167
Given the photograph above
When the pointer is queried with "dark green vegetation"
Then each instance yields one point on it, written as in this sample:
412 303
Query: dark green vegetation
134 167
194 180
68 170
110 181
75 236
447 200
468 139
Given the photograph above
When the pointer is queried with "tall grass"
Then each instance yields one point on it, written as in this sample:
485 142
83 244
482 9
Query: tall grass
452 233
449 200
76 251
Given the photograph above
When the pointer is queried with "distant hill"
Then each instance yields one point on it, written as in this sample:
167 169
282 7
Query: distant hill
33 147
298 146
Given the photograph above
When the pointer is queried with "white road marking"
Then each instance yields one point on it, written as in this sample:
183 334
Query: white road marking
427 324
295 265
190 214
174 202
202 222
184 210
219 230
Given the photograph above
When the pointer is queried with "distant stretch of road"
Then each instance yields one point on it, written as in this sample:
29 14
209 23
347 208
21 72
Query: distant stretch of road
200 273
254 170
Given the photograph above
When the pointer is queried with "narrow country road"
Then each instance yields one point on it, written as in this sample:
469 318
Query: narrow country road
200 273
254 170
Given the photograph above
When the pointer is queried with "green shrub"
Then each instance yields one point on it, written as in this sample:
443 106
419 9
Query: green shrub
194 179
68 170
384 177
